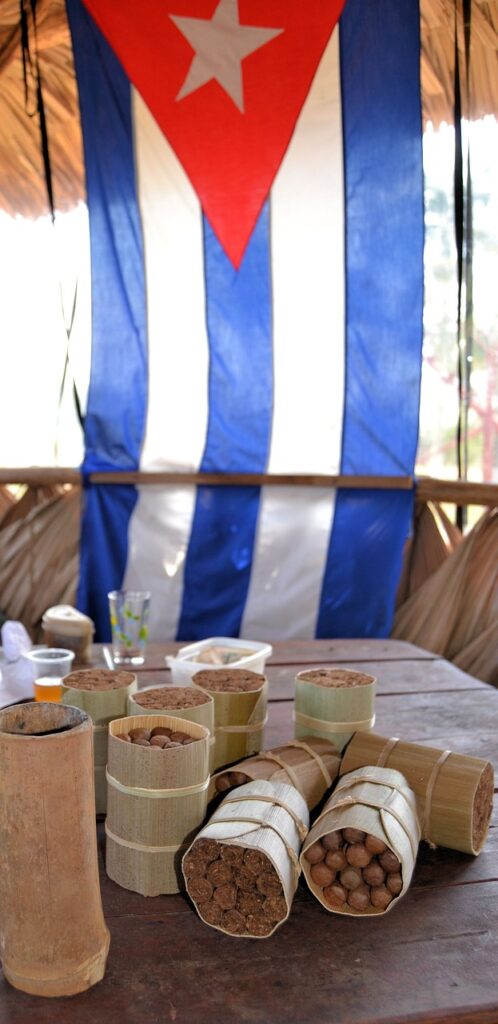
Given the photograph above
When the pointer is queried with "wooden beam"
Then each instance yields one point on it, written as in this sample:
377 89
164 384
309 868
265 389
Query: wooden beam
35 476
457 492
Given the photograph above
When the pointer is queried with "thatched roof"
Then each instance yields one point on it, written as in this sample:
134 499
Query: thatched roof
22 187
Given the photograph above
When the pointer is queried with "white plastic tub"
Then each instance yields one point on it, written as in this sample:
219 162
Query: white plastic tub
183 668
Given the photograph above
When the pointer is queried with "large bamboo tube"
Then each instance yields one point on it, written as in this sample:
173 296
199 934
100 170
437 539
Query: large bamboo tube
454 792
53 938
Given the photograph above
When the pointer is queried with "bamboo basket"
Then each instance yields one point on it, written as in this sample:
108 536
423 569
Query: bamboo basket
454 792
333 703
239 717
168 700
156 802
378 802
311 766
53 937
103 705
253 839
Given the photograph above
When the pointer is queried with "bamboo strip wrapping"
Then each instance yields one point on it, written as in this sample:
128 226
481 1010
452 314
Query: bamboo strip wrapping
203 713
149 827
333 703
310 765
460 787
380 803
239 717
102 706
261 818
53 938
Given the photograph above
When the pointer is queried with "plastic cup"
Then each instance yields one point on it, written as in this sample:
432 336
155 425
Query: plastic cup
49 666
129 613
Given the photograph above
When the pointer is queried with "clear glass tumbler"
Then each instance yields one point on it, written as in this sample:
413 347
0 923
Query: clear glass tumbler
129 612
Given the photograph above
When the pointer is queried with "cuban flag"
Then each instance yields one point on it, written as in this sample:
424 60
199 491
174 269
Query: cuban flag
255 192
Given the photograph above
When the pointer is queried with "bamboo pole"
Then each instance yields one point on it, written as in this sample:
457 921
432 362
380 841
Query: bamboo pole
458 492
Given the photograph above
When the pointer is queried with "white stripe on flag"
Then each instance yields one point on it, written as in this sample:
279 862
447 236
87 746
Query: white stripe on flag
177 409
307 216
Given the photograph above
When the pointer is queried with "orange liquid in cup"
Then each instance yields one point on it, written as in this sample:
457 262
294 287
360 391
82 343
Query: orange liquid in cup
49 688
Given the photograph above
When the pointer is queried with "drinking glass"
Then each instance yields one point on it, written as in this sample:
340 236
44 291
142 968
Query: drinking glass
49 666
129 612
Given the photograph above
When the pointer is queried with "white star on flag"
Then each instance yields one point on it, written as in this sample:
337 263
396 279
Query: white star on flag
220 45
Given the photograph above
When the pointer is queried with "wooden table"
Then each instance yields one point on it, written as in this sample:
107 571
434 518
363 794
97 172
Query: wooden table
433 959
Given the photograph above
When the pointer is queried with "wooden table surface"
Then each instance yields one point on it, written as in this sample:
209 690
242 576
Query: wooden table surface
433 959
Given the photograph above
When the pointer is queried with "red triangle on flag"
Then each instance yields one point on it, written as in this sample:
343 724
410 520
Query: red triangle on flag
226 81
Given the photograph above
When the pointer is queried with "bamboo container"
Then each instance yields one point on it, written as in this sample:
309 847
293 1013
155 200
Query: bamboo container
370 809
333 703
242 870
311 766
186 702
156 802
240 711
103 694
53 937
454 792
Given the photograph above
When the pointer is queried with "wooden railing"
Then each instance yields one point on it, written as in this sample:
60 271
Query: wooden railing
458 492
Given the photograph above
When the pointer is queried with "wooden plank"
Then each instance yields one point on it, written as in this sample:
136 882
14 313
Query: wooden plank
299 652
466 722
392 678
432 956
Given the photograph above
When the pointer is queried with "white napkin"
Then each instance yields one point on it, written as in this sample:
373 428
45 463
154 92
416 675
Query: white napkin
16 673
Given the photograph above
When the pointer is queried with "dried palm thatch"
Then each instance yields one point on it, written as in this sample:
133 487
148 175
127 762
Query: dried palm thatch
455 612
22 187
39 555
434 538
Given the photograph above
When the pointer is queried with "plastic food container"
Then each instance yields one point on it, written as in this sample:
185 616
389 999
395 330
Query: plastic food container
183 667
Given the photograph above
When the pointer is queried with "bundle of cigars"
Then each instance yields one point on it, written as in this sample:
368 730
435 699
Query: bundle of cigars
333 703
360 854
240 709
241 871
103 694
454 792
310 765
157 798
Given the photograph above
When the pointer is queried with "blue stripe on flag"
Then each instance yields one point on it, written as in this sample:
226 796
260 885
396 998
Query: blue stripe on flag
119 345
239 320
380 53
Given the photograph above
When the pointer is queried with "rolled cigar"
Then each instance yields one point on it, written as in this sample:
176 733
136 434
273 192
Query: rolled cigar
322 875
359 899
333 841
351 878
315 853
454 793
373 874
239 700
335 895
358 855
389 862
394 883
336 860
380 897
